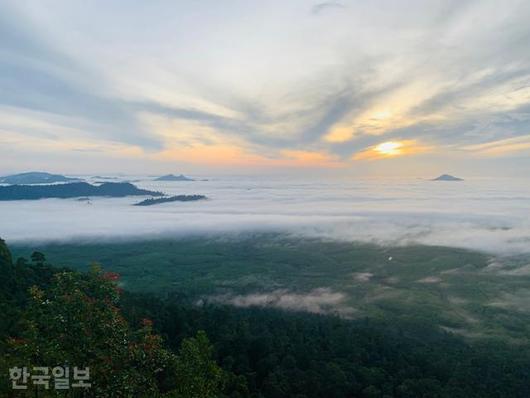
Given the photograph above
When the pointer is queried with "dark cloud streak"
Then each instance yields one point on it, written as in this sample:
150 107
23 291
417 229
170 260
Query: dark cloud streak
326 6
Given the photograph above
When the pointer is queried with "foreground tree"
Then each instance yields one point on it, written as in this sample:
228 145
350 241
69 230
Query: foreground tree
77 322
198 375
5 254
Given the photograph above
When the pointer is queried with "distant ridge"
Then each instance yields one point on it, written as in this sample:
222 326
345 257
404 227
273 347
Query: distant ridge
172 177
72 190
105 178
178 198
447 177
35 177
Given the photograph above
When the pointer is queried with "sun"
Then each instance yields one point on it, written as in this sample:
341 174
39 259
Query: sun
389 148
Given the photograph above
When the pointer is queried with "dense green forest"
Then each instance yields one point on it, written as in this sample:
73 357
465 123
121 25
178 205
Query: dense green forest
473 294
141 344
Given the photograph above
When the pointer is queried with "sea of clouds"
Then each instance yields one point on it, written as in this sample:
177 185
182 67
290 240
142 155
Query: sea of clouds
485 214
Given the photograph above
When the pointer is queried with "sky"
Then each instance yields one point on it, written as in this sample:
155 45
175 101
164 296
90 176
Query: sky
341 87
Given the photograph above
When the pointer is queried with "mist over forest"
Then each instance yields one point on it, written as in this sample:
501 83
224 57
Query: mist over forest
486 214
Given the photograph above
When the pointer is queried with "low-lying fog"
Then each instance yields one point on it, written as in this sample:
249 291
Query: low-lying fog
485 214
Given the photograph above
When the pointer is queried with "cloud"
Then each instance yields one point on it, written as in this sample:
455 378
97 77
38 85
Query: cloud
318 301
485 214
313 158
505 147
363 276
265 80
326 6
518 301
42 80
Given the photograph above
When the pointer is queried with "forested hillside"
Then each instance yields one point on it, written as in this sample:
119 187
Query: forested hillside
142 345
72 190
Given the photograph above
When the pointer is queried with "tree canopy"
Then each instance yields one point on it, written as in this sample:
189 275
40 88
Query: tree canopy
142 345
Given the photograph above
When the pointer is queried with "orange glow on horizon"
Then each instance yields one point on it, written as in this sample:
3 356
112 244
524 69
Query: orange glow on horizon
229 155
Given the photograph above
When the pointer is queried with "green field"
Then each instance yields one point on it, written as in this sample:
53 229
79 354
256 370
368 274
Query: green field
472 294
